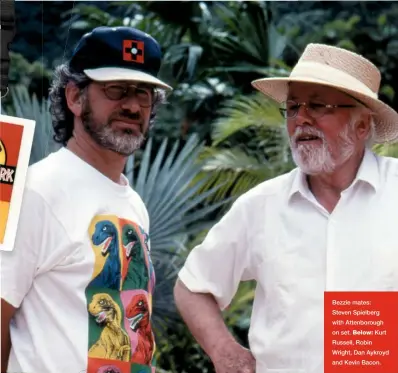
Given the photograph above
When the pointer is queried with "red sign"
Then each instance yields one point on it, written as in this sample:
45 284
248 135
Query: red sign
361 332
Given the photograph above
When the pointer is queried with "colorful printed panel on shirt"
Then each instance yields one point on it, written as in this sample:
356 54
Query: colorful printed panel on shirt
119 298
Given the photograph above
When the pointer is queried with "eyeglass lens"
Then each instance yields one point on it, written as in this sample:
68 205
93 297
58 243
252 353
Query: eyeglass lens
290 109
119 91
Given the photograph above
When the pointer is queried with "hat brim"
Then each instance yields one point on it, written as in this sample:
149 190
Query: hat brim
386 118
106 74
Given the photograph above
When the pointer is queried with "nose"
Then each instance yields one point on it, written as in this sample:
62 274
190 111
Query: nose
302 117
131 103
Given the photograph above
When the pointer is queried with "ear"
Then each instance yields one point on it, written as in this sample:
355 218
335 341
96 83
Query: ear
363 126
74 99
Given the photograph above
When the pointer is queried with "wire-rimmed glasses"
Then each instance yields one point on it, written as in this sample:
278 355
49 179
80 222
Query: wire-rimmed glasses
290 108
119 91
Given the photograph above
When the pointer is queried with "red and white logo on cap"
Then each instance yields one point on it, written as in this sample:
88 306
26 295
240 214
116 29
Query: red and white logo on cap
133 50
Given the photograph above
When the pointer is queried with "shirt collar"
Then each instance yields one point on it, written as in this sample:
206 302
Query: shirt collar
368 172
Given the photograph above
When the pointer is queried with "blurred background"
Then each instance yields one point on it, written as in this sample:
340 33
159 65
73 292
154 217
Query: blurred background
216 137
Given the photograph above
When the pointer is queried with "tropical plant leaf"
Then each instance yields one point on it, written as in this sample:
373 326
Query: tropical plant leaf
249 33
181 61
264 154
250 68
245 111
86 17
386 150
235 170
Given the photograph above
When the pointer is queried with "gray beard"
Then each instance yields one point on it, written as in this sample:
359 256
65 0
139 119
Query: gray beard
315 160
121 142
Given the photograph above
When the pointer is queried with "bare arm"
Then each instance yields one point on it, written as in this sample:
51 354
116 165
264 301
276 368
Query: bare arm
204 320
7 312
203 290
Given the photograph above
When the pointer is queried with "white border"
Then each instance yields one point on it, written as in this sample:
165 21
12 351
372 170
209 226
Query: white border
20 178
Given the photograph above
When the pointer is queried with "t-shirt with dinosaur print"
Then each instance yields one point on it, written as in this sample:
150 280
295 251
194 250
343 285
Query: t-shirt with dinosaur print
80 273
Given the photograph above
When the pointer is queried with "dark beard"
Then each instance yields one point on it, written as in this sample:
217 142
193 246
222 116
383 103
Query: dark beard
123 142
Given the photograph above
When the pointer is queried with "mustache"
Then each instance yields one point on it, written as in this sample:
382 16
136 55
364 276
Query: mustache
128 115
307 130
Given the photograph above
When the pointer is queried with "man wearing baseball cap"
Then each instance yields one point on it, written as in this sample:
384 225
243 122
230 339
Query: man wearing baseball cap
328 225
77 287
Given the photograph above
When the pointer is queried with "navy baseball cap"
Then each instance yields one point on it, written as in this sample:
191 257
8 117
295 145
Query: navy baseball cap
119 53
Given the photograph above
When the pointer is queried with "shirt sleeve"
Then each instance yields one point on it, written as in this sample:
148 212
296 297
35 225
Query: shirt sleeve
37 233
221 261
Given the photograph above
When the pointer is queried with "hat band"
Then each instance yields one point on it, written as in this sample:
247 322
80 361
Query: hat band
331 75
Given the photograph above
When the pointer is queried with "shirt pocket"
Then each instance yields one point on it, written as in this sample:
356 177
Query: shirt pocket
289 266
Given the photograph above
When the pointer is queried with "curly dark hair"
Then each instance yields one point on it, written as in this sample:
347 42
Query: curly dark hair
62 117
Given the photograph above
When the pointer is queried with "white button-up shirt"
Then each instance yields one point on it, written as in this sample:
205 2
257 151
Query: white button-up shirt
280 236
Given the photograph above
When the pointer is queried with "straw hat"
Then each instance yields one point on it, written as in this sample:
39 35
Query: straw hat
343 70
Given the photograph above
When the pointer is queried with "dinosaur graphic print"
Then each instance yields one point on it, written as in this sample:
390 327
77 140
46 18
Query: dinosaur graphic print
138 316
136 257
119 298
114 342
106 237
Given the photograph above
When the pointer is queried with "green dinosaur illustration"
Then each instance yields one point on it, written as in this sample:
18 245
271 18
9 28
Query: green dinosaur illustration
136 276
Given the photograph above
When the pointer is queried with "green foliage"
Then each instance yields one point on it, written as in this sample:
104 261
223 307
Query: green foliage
243 112
38 34
90 16
212 52
386 150
250 145
24 73
32 76
367 28
247 31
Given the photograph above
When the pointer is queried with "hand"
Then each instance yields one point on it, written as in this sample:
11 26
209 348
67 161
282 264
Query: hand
234 359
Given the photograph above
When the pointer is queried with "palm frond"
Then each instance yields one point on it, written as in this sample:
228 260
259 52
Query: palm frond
242 112
248 32
251 68
85 17
235 172
264 154
166 34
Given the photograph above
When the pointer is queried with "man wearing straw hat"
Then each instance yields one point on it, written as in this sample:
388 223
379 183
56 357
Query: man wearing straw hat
328 225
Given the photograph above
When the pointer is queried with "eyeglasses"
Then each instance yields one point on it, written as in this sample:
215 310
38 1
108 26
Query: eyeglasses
290 108
119 91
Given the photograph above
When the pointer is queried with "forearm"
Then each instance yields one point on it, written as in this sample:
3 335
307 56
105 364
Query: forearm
5 346
7 312
204 320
